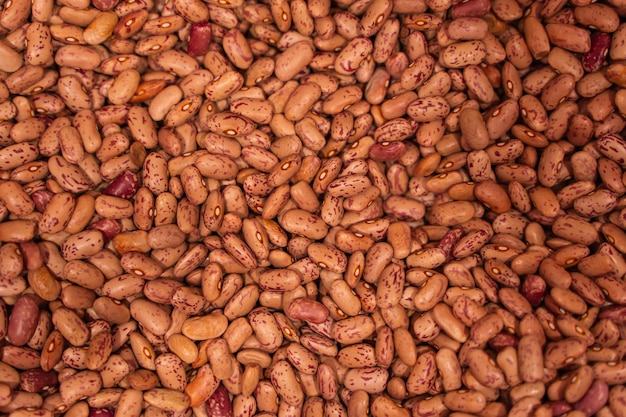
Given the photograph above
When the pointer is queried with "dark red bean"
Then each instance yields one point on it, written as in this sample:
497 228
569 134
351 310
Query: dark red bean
594 59
100 412
219 403
124 185
533 289
503 340
38 380
199 39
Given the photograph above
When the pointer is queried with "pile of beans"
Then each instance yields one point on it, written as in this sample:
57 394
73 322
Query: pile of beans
395 208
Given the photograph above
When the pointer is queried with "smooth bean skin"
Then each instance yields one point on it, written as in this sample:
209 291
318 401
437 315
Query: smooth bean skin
322 207
23 321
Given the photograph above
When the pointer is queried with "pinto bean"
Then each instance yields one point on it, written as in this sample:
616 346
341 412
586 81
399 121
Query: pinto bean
185 185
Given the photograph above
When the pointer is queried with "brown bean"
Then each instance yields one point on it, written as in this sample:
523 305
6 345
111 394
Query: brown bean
207 214
23 320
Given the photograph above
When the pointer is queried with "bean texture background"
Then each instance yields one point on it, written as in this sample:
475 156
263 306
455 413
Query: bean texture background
343 208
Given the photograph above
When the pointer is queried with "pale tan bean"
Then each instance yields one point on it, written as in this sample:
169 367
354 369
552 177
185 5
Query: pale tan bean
13 60
485 369
461 54
13 156
569 37
70 326
467 28
78 56
280 280
110 207
167 399
284 380
70 177
353 329
237 49
216 166
442 314
150 315
292 60
559 354
82 384
370 380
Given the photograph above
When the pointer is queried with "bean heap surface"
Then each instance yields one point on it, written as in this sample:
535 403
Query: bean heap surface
395 208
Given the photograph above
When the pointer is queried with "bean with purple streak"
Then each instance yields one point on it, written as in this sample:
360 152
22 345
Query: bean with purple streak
41 198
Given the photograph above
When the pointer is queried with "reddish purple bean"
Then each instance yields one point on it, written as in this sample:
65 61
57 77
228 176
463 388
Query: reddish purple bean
109 227
471 8
533 289
307 310
597 395
100 412
37 380
41 199
387 151
503 340
219 403
594 59
33 259
614 313
560 408
23 320
199 39
124 185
